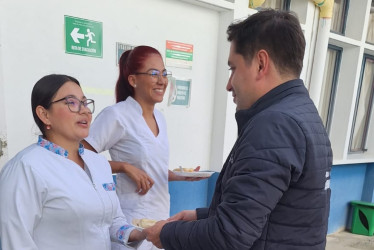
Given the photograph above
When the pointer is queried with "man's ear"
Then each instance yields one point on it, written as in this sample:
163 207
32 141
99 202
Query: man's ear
43 115
262 62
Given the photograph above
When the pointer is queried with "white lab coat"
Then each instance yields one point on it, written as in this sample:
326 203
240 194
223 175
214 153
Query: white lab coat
49 202
122 130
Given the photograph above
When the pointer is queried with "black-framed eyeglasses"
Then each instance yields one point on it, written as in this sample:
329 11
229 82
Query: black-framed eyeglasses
155 74
74 104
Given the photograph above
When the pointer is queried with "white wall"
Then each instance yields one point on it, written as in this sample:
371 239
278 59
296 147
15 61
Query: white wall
32 45
3 137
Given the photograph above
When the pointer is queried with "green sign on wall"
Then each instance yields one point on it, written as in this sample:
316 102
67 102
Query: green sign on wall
122 47
180 91
83 37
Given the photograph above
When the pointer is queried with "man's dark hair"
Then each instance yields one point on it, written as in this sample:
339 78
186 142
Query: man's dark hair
277 32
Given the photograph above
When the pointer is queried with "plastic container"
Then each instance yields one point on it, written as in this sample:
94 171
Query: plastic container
363 218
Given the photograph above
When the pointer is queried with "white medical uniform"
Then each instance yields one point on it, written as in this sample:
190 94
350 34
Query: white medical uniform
122 130
49 202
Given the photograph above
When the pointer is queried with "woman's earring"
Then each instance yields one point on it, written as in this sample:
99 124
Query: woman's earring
134 85
48 127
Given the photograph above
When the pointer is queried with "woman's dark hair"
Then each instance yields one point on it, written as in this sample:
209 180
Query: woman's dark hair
278 32
44 91
129 63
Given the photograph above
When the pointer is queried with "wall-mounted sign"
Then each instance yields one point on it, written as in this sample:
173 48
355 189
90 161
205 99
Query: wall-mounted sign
122 47
179 55
180 92
83 37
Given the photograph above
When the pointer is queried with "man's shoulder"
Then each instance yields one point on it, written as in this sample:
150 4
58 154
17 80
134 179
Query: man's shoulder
299 107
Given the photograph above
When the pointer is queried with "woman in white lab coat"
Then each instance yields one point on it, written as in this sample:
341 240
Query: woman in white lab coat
135 134
55 194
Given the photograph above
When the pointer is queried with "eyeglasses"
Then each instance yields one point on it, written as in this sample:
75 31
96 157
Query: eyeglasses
156 75
74 104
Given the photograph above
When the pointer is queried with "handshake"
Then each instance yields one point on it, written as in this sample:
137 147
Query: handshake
151 229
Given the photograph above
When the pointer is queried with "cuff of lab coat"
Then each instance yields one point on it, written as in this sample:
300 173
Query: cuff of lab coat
123 235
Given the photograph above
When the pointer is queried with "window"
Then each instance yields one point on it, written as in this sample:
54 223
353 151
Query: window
364 103
330 80
339 16
370 34
277 4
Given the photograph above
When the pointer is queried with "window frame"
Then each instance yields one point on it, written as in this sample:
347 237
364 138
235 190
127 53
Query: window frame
344 19
366 41
286 4
362 147
334 85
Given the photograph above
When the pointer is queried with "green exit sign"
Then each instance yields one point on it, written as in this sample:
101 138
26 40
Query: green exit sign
83 37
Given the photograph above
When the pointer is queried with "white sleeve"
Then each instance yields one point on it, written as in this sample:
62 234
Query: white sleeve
105 131
120 229
22 192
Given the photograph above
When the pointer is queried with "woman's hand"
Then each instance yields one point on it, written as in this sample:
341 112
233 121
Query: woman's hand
174 177
136 235
143 182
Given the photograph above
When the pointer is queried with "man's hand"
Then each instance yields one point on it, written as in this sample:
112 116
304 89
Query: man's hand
186 215
153 233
